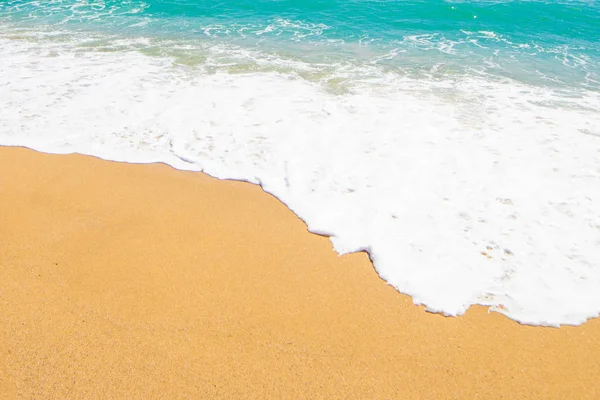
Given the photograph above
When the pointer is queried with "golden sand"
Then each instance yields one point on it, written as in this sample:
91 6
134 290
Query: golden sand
122 281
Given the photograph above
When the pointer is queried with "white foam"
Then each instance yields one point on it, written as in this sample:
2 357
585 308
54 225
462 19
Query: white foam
464 191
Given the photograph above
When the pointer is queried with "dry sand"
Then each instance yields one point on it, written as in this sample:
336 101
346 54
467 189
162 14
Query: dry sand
122 281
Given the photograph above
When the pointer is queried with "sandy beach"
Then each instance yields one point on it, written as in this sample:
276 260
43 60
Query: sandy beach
123 281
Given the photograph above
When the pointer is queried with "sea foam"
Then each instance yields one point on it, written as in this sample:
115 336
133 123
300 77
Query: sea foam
463 189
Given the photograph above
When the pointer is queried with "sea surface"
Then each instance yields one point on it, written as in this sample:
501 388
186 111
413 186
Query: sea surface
457 142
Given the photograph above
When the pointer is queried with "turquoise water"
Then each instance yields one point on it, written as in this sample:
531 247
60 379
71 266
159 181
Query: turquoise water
546 43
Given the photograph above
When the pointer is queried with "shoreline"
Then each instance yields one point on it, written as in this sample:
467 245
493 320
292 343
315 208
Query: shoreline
139 280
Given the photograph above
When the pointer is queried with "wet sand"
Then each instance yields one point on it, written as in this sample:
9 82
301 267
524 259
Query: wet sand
122 281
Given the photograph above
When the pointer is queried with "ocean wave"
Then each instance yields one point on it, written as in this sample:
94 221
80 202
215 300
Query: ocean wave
321 38
464 188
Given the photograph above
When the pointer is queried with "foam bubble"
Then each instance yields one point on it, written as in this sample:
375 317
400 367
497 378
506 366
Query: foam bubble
464 190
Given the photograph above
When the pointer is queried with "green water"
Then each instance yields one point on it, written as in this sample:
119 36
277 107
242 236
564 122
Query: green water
548 43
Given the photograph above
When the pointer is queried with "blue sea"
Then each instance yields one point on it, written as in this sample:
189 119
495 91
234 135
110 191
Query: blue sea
554 43
457 142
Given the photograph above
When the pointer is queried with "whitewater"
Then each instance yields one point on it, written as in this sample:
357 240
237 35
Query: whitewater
464 186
